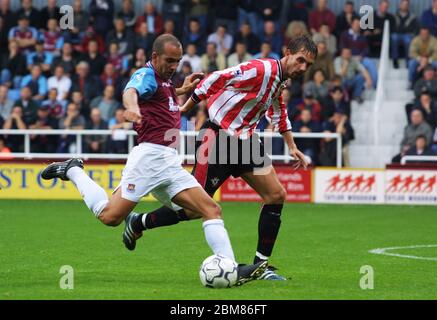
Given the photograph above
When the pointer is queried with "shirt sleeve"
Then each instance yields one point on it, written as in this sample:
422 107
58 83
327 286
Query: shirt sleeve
277 115
144 82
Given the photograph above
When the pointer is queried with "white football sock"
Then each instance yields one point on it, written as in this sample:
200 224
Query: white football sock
93 194
217 238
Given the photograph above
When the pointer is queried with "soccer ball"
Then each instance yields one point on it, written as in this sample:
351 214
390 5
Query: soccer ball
218 271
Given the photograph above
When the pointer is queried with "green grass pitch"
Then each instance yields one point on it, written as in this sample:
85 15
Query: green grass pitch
321 247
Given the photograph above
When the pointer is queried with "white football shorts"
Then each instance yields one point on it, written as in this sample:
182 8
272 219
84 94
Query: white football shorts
155 169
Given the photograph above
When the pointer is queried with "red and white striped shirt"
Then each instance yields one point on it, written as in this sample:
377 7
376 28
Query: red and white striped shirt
241 95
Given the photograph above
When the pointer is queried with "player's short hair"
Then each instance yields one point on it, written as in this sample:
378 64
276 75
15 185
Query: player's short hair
159 43
303 42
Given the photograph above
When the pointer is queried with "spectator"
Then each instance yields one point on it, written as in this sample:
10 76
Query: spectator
95 143
338 123
28 105
144 39
418 126
318 87
335 102
155 23
14 122
272 36
195 35
52 38
420 148
325 35
298 10
9 16
56 107
179 77
40 57
127 13
226 12
5 103
247 14
101 12
294 29
77 99
266 52
198 9
169 27
50 12
191 57
374 36
33 15
211 60
114 57
122 36
109 76
344 19
429 18
310 103
60 82
67 61
175 10
434 142
428 83
423 50
268 10
321 15
239 56
36 82
41 142
94 59
91 35
324 62
106 103
353 40
24 34
428 108
250 39
13 67
80 25
83 81
72 120
222 40
403 31
355 76
119 138
139 60
309 147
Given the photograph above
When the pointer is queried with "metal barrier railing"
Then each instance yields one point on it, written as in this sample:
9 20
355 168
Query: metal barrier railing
405 159
27 154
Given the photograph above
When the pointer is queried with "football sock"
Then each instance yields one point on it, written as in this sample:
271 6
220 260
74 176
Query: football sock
94 195
218 238
161 217
268 228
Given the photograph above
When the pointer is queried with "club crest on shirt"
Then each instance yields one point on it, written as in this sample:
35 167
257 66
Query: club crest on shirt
215 181
131 187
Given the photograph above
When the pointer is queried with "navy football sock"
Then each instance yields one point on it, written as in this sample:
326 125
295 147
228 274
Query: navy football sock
268 228
161 217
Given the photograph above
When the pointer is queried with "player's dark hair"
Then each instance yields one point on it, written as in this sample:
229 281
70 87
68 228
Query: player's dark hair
303 42
159 43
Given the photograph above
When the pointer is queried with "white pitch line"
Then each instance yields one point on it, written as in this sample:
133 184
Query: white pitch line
382 251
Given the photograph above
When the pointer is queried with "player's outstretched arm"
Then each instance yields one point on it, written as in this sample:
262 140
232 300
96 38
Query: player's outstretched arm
190 83
188 105
294 151
130 102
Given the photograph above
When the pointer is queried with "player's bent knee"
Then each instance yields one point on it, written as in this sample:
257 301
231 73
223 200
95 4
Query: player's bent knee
213 212
276 197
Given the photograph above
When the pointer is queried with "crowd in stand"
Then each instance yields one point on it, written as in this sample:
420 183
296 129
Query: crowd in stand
74 79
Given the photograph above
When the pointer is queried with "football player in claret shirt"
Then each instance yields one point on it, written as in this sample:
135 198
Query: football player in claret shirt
238 98
154 166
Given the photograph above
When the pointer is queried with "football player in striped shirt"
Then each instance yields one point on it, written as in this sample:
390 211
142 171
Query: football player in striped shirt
238 98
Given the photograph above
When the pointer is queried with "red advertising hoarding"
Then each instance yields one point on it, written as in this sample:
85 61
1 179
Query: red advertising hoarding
296 183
